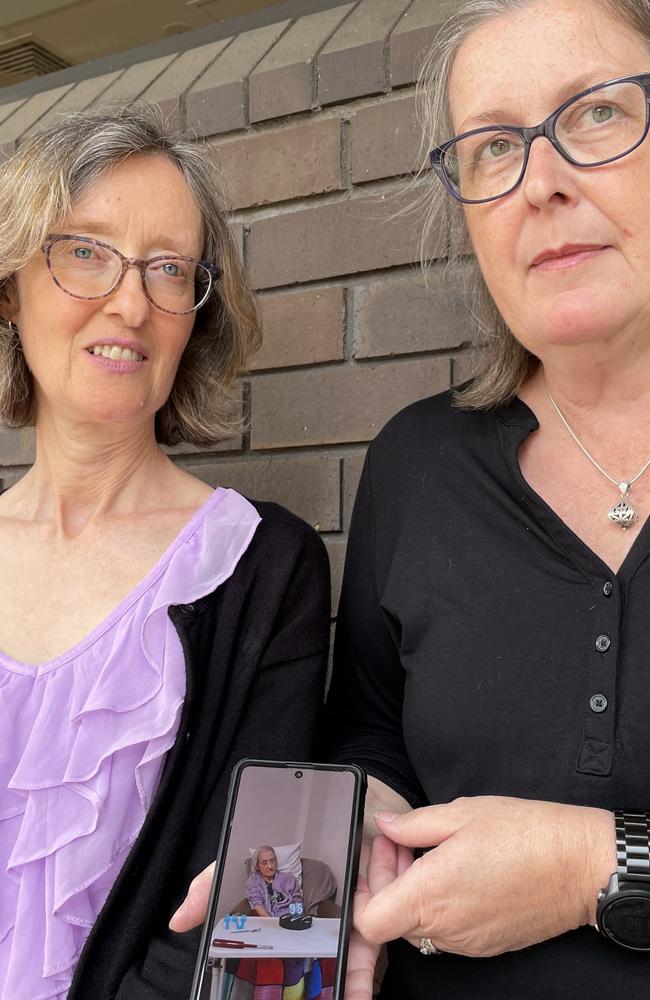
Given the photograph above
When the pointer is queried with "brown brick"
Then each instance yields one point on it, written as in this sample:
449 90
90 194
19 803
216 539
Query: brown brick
345 403
301 328
17 447
182 73
283 82
385 140
403 315
167 89
321 241
352 466
131 84
291 162
413 37
353 62
217 102
308 485
79 97
30 113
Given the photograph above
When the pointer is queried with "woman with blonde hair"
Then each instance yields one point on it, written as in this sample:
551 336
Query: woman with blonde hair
151 626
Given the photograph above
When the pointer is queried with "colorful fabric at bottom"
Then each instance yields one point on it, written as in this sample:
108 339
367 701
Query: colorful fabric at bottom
280 979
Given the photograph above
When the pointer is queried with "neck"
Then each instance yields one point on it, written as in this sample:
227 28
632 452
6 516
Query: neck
601 378
606 404
83 472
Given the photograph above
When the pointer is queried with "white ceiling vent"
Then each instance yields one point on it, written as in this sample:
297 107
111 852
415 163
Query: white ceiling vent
23 58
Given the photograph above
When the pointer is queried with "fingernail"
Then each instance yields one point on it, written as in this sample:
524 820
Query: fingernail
385 817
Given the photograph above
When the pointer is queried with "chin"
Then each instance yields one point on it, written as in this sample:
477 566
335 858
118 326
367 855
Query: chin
114 411
577 319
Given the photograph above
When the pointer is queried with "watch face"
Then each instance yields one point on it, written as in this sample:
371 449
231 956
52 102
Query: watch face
627 921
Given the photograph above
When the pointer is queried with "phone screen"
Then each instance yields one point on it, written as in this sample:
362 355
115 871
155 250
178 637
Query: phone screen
279 914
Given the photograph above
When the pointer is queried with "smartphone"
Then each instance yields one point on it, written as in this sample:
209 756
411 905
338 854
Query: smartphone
280 907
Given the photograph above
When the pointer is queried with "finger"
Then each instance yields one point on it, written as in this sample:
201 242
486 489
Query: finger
382 864
361 893
192 910
404 858
362 958
426 827
398 910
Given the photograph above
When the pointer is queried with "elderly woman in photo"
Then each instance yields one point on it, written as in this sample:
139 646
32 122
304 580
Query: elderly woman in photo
270 892
493 640
150 624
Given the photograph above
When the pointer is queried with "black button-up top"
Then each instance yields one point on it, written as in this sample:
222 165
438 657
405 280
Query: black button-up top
482 648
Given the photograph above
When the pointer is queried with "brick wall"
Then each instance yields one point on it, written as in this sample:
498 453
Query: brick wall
313 122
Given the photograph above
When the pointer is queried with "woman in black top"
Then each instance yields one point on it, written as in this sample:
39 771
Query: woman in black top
492 644
493 641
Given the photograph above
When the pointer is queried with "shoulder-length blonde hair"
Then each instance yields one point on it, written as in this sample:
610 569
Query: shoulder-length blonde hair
40 183
502 363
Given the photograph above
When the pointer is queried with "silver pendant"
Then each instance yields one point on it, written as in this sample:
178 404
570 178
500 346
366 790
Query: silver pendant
623 513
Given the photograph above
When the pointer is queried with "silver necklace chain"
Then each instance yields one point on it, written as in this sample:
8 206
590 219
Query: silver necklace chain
622 513
616 482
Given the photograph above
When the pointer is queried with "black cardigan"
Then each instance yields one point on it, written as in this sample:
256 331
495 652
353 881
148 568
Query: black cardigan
256 654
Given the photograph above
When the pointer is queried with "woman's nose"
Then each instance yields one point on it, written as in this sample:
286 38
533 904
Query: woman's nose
548 175
129 300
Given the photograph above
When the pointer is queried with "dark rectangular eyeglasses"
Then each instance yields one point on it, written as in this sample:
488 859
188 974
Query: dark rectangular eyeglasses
597 126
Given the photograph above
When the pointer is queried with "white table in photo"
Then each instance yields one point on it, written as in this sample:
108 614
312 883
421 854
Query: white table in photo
319 941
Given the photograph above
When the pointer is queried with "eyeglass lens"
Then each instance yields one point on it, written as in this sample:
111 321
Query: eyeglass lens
88 270
594 128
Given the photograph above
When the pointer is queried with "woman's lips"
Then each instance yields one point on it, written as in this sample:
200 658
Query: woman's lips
566 258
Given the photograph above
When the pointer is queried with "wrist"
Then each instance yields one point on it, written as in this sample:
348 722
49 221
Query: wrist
599 859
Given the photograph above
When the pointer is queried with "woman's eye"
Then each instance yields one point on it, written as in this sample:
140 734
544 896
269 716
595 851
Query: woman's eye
602 113
82 253
172 270
589 115
494 149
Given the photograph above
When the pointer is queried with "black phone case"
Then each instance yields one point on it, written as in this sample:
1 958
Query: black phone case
351 868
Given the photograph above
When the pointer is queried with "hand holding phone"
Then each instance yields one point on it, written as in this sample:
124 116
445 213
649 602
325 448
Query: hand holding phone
287 860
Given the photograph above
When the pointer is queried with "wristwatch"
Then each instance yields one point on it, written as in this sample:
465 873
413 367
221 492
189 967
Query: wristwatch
623 911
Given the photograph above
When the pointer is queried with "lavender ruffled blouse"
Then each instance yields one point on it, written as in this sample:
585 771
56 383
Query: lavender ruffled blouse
83 740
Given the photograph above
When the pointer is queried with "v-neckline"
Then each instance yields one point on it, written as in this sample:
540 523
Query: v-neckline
520 421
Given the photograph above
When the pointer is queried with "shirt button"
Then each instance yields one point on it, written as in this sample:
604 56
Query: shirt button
603 642
608 588
598 703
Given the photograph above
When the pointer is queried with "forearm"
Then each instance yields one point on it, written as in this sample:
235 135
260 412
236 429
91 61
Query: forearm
260 911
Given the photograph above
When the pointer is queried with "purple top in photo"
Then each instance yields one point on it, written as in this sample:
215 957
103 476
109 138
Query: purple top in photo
82 745
275 896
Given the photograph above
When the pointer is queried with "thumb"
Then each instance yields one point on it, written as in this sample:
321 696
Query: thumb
192 910
425 827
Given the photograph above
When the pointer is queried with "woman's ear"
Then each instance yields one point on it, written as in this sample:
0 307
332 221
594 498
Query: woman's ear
9 300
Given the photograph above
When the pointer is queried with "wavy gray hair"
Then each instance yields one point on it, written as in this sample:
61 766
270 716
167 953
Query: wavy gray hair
502 364
40 183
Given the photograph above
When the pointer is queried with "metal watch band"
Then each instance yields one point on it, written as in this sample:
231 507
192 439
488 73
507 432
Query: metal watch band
633 845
